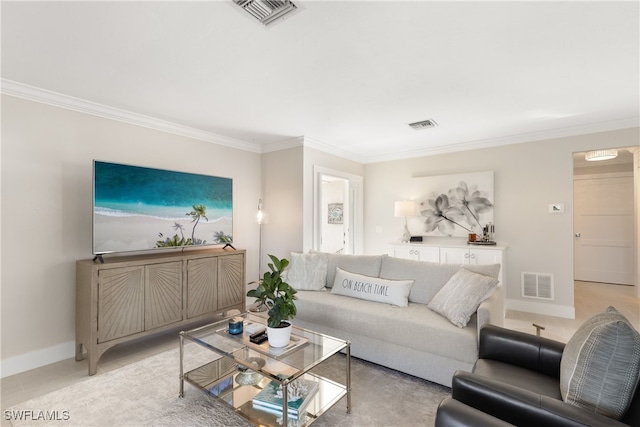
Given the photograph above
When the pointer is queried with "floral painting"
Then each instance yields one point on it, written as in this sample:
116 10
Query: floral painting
456 205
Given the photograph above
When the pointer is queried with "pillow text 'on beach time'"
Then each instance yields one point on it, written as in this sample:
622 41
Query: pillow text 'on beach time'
354 285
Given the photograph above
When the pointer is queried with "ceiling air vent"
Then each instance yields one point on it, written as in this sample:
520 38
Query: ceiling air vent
266 11
424 124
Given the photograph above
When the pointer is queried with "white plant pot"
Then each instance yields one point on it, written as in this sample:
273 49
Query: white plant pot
279 337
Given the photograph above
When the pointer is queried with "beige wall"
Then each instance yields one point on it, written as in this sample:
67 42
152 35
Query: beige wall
527 178
47 155
46 207
282 189
287 179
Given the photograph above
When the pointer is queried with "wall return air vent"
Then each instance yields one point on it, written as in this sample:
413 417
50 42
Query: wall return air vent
537 285
266 11
424 124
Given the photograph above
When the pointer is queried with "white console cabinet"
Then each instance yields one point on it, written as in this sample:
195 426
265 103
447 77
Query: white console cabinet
415 252
451 251
471 256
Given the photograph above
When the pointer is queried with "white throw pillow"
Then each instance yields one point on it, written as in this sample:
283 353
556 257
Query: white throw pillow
307 272
394 292
461 296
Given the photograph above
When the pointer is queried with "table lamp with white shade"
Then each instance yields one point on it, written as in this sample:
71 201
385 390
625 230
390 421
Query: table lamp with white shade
404 209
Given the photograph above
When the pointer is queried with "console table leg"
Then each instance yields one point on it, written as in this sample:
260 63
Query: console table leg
79 352
93 362
348 377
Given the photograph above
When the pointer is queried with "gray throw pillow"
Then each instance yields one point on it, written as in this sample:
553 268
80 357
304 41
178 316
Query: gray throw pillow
307 272
461 296
600 365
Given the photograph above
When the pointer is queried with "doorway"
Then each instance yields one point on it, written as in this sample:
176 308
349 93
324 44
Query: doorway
605 245
337 211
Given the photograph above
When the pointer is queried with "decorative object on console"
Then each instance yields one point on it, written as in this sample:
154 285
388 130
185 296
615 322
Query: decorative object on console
457 205
404 209
278 297
486 238
599 155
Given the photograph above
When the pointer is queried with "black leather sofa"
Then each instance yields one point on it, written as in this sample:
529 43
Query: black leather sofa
517 380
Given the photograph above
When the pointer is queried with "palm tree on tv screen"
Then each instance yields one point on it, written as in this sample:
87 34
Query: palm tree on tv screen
199 211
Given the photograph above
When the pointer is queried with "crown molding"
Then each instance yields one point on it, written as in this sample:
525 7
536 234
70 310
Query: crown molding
626 123
306 141
284 144
331 149
36 94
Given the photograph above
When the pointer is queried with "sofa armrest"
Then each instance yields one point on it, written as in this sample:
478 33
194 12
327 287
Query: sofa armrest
452 413
521 407
527 351
492 309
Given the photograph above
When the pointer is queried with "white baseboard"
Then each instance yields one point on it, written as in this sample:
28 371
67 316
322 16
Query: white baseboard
37 358
546 309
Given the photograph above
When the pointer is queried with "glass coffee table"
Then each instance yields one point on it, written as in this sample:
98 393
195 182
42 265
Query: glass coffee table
235 370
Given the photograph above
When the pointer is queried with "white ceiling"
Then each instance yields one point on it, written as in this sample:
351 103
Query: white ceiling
349 76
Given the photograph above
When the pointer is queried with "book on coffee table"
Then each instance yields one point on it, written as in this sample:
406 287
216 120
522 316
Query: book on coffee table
267 399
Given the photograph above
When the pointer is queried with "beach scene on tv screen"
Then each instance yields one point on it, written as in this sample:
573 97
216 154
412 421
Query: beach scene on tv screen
138 208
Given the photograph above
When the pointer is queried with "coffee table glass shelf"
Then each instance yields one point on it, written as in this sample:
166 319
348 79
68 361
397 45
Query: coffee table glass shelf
232 369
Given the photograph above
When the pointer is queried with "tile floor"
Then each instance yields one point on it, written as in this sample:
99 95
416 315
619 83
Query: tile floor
590 298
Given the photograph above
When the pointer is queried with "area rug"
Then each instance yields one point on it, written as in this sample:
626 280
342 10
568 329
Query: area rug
145 393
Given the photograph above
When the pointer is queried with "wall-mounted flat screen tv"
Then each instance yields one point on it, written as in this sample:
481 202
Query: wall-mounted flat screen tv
139 208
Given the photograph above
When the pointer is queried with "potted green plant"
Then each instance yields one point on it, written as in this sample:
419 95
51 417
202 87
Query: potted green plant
278 297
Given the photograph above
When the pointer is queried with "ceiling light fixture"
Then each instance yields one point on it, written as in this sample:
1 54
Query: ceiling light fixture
597 155
266 11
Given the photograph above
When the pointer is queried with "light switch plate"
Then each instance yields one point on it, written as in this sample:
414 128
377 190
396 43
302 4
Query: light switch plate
556 208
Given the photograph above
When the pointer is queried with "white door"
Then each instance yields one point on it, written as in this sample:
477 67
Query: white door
330 232
334 221
603 226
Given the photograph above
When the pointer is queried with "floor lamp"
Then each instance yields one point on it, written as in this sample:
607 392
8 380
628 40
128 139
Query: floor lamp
261 218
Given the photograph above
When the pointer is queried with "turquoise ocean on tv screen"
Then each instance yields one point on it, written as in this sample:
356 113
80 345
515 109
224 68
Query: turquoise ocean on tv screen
123 190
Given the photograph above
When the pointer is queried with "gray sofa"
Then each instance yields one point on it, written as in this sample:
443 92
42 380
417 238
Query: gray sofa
412 339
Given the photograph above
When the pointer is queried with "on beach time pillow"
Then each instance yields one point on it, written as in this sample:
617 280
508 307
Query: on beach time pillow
354 285
461 296
307 272
600 365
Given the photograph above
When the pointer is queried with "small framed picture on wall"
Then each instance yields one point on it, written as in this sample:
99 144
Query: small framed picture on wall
335 213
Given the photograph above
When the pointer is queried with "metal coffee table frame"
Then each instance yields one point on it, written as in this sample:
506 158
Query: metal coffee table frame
216 360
